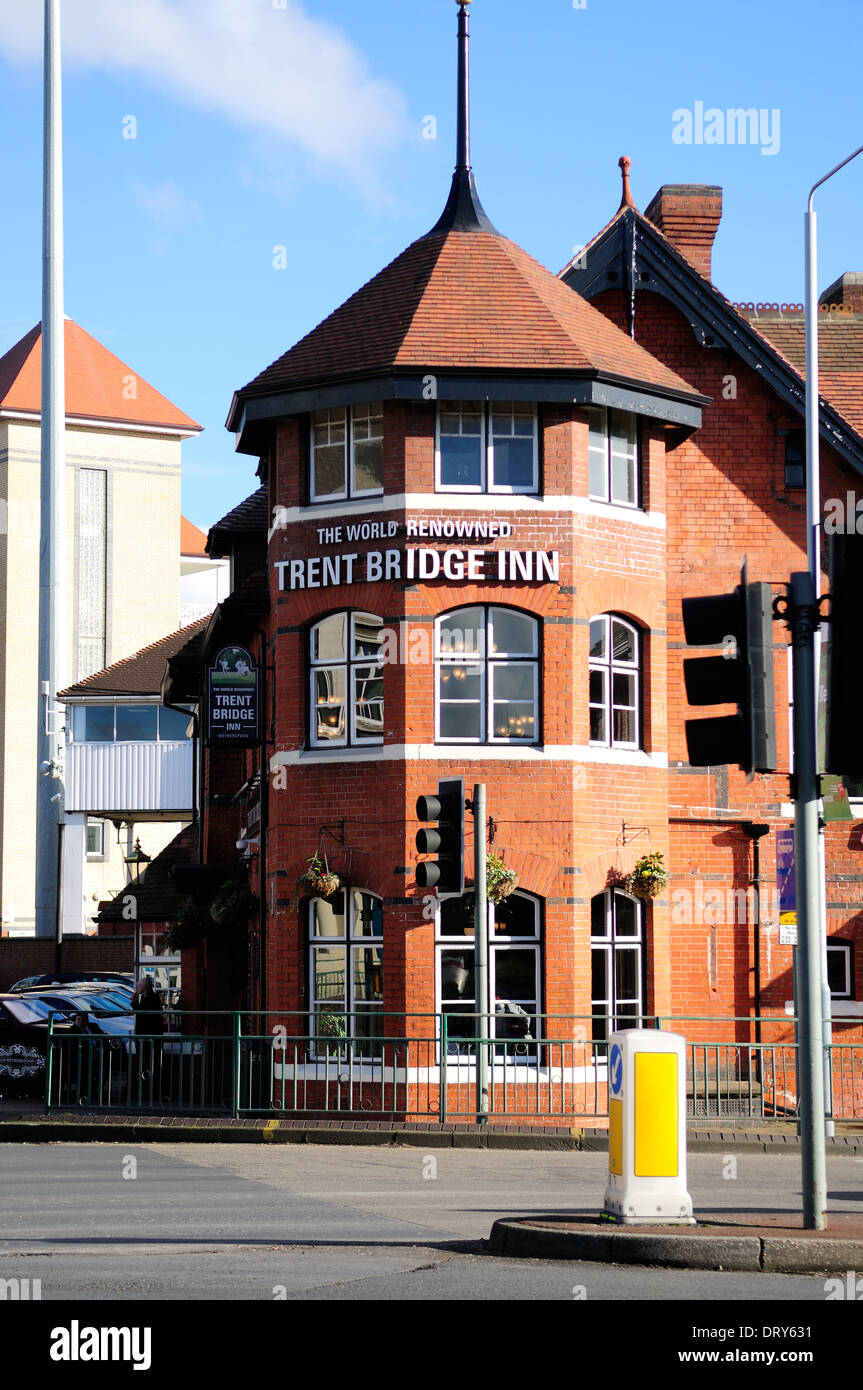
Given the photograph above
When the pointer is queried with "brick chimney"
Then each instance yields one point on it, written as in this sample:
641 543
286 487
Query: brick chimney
847 291
688 214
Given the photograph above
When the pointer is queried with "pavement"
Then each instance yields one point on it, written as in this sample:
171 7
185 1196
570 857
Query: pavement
768 1242
773 1243
25 1121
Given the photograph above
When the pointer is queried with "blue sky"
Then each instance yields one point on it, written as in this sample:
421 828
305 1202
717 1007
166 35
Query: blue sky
262 124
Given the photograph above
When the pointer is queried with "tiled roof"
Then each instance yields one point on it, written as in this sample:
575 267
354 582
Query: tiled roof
776 331
465 300
192 539
156 896
140 674
840 352
252 515
98 385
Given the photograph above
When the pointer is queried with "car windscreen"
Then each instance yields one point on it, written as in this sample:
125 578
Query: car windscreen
61 1003
103 1004
29 1010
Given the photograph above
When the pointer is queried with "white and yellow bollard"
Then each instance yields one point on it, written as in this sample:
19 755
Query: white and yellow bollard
647 1129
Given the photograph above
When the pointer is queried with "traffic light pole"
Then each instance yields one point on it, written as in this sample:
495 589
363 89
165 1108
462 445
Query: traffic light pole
480 929
802 616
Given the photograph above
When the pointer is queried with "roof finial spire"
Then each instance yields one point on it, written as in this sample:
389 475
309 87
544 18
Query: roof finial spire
625 164
464 212
463 139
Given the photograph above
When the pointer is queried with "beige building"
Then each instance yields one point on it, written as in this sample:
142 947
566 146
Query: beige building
123 443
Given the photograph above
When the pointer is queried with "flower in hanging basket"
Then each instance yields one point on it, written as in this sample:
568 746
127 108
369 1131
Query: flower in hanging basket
648 877
317 878
499 880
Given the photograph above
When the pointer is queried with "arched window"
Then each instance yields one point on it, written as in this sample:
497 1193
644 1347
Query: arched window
487 676
615 656
346 968
616 962
346 678
514 964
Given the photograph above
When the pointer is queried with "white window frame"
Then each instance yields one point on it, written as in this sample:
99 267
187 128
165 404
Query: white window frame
609 667
354 490
633 455
349 941
94 823
165 970
486 483
74 717
837 945
609 944
350 490
497 944
486 661
350 665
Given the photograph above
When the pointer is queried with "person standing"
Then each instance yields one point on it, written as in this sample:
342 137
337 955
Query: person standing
149 1029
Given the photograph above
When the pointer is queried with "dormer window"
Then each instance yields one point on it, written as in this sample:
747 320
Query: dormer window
613 457
347 453
486 448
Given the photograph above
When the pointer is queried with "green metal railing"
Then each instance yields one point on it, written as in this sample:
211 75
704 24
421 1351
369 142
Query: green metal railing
426 1066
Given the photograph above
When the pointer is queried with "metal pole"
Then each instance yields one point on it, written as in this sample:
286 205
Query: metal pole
803 615
813 555
463 120
52 544
480 929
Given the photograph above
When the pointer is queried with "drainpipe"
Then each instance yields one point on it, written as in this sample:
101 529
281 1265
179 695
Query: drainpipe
756 833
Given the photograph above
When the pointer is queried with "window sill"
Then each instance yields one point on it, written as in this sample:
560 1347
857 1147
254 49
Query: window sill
846 1008
336 748
334 501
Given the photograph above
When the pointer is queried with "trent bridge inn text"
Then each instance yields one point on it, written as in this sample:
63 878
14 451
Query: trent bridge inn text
418 562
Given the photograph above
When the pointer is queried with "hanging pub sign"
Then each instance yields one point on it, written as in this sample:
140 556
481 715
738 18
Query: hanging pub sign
233 711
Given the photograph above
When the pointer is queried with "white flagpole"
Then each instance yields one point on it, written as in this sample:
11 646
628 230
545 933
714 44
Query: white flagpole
52 545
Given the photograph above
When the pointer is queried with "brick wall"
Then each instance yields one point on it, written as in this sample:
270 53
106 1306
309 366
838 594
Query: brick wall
20 956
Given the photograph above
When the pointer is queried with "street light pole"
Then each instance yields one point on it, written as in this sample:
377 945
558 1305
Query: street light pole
813 556
52 543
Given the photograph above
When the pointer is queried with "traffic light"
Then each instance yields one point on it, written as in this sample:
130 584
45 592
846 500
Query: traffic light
446 872
845 657
743 676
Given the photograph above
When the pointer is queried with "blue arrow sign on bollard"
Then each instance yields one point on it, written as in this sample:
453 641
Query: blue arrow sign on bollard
615 1069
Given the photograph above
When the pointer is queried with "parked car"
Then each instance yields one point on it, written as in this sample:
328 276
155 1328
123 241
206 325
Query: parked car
24 1043
124 981
112 1011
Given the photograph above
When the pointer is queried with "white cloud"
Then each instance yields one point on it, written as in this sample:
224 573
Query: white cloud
168 205
274 70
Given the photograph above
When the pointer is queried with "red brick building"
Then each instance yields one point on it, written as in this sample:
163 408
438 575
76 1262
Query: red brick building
484 492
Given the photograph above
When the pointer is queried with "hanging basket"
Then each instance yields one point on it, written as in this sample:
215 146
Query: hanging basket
499 880
648 877
317 879
233 905
189 929
645 887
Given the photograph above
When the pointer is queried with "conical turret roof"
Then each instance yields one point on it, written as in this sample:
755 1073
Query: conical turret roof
462 299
